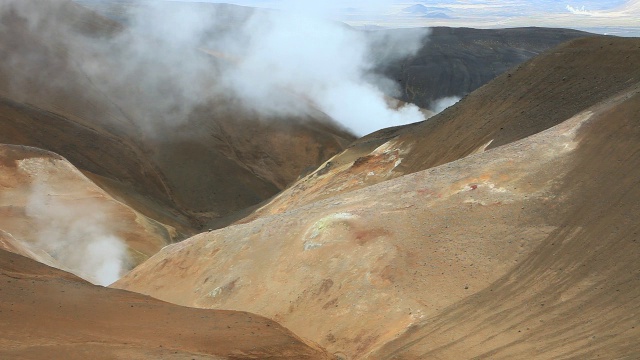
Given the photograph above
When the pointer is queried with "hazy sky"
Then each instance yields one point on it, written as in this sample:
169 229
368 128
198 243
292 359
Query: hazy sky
583 14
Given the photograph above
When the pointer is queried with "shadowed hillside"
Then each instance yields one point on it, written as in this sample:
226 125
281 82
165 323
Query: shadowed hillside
47 312
453 62
180 154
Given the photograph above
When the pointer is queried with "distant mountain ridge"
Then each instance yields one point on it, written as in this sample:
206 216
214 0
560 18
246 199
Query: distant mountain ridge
428 12
457 61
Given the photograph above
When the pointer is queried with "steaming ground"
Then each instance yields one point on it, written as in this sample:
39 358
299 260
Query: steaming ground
143 109
144 114
285 64
152 116
79 234
54 214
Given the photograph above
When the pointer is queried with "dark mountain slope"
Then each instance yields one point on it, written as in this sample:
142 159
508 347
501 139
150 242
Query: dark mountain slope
457 61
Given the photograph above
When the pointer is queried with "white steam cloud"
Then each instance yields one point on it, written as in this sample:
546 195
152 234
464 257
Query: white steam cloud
173 57
292 63
78 235
443 103
160 68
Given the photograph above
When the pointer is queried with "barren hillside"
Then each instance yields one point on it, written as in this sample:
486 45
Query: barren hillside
523 250
505 227
49 313
531 98
575 296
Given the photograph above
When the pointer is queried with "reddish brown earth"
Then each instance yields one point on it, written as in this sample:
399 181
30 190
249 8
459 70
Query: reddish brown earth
47 313
525 249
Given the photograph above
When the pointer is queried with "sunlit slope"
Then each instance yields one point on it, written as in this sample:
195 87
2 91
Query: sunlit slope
576 295
49 313
11 244
49 210
524 101
367 266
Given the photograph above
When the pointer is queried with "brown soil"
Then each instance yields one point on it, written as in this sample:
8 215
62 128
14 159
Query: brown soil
49 313
505 227
575 296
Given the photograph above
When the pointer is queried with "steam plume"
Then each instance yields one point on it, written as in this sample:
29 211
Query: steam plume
78 235
291 57
276 63
441 104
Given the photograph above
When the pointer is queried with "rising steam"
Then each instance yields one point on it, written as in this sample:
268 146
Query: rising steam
277 63
173 57
78 235
292 61
441 104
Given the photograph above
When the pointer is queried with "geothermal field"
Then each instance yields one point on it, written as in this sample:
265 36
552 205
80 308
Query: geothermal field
196 180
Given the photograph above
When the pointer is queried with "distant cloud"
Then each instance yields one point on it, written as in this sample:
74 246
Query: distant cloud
580 11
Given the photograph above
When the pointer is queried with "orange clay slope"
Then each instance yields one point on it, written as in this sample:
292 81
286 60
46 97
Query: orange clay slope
49 210
526 250
47 313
